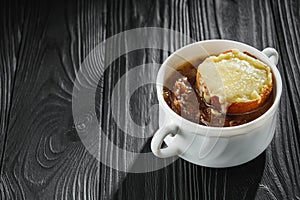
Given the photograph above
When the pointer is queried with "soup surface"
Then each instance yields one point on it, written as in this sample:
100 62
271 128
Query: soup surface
180 93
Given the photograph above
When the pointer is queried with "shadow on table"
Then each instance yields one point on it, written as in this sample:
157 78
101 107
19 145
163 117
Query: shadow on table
183 180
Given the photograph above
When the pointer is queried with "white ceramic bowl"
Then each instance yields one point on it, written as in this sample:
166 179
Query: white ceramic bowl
213 146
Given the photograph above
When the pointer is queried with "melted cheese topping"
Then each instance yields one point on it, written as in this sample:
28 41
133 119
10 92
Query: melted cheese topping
235 77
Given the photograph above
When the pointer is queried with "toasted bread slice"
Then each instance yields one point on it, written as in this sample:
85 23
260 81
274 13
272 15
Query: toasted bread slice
234 82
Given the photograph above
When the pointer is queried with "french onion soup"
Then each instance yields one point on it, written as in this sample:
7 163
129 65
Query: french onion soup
229 89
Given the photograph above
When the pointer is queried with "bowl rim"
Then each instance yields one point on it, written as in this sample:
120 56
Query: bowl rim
230 131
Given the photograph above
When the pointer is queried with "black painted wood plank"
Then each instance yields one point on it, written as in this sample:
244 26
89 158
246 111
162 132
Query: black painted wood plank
21 45
281 179
43 156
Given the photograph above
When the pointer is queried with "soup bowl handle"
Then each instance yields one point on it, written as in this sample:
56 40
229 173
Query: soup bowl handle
272 54
158 138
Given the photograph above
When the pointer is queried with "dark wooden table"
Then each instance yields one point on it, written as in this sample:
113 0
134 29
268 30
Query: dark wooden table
42 46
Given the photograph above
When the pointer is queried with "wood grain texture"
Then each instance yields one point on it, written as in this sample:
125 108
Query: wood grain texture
43 156
43 43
